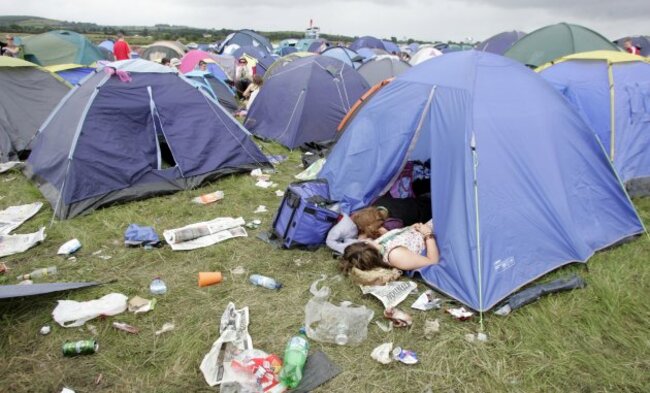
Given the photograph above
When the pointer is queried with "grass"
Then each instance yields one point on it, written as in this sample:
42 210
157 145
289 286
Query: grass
591 340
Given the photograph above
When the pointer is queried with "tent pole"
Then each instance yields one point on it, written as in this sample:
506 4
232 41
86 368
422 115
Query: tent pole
612 120
478 230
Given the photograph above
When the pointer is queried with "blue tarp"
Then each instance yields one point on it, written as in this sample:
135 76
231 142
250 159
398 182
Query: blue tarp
546 193
585 84
305 101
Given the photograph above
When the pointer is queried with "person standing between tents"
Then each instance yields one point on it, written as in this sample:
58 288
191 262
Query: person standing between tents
11 49
630 47
121 49
165 61
203 66
242 76
251 91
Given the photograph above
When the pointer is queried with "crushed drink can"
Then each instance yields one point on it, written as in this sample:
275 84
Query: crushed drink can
81 347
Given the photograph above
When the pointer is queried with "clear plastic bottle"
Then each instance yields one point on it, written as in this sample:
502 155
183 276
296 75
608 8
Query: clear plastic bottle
295 356
263 281
38 273
157 287
341 333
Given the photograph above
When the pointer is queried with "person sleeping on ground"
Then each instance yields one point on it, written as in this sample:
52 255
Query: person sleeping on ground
387 213
408 248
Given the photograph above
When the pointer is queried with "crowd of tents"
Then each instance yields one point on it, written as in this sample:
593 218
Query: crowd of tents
535 141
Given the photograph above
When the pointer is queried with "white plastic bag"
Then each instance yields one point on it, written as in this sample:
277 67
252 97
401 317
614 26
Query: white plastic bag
69 313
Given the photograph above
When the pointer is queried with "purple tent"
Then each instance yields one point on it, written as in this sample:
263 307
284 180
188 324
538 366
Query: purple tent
305 101
367 42
138 131
501 42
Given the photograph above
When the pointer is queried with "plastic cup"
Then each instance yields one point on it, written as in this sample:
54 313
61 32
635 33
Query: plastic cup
209 278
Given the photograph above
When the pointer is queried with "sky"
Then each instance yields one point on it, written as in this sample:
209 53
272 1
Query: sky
430 20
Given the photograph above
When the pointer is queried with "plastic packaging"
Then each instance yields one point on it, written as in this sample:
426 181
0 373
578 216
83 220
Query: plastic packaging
69 247
346 324
157 287
263 281
69 313
295 356
38 273
209 198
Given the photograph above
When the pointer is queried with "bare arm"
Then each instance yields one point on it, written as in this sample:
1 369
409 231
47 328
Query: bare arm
405 259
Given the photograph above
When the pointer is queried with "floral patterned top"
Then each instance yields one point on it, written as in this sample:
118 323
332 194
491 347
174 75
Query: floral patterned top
403 237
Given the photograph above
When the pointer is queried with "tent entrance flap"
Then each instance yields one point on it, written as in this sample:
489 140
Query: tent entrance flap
164 156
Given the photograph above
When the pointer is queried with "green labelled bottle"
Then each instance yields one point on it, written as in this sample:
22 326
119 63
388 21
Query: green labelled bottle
295 356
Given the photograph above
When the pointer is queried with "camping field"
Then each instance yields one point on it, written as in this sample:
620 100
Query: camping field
595 339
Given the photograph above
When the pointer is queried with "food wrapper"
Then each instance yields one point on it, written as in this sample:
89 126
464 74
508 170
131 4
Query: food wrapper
398 317
460 313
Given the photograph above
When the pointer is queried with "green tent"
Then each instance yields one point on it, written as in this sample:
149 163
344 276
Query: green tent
555 41
60 47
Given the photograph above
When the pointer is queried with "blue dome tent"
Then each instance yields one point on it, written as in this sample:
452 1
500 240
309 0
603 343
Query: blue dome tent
519 184
140 131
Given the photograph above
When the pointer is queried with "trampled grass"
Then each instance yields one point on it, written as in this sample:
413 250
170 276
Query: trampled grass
590 340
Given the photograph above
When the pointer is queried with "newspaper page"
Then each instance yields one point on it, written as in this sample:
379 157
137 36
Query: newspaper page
13 216
14 244
234 338
204 234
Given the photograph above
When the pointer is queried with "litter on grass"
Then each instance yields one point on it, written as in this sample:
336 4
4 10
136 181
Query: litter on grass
392 293
460 313
15 244
382 353
126 327
204 234
265 184
398 317
431 328
69 247
45 330
166 327
261 209
427 301
233 338
279 193
14 216
70 313
405 356
136 235
209 198
138 305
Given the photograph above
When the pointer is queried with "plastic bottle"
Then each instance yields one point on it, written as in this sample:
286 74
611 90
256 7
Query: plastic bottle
38 273
295 356
157 287
341 333
263 281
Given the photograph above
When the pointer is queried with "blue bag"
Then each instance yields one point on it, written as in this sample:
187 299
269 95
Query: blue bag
303 218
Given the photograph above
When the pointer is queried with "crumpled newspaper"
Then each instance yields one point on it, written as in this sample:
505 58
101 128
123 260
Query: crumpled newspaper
204 234
13 216
392 293
233 339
